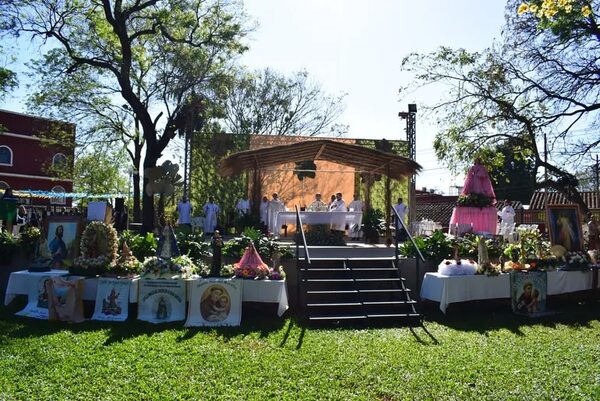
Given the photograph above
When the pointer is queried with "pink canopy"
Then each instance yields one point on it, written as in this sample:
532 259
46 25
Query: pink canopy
478 182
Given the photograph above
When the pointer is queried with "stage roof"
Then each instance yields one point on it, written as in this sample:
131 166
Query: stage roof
362 158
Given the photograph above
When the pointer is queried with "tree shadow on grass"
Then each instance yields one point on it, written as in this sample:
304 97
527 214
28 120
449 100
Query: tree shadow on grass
486 316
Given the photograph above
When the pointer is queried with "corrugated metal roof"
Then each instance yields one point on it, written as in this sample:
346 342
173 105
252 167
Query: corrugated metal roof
591 199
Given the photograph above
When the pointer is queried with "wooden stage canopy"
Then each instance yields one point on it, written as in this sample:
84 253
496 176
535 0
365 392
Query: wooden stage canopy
362 158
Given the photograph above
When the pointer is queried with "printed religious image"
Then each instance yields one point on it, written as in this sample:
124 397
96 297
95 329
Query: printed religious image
215 304
162 308
528 292
565 228
112 305
63 234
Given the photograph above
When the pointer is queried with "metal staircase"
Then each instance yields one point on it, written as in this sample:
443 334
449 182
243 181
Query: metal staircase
356 290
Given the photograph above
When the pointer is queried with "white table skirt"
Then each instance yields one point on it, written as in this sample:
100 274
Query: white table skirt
452 289
19 282
336 218
272 291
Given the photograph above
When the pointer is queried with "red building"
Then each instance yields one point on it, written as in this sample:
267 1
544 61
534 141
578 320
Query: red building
34 152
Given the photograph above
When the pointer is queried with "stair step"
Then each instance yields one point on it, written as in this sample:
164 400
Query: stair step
391 315
342 317
387 290
332 292
378 279
335 304
390 302
326 269
328 280
371 269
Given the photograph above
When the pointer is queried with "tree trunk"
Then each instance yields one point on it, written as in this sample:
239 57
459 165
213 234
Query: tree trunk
148 216
137 210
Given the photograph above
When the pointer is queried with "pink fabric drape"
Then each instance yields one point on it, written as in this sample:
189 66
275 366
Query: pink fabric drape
483 219
478 181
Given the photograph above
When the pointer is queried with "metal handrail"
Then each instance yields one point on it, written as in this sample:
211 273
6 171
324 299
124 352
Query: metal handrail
398 219
299 227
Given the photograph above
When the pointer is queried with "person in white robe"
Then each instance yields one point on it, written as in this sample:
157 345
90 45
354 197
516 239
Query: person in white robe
275 206
317 205
184 212
211 211
243 206
339 205
264 211
507 214
356 205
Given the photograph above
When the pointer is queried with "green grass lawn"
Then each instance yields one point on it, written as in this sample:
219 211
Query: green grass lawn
478 355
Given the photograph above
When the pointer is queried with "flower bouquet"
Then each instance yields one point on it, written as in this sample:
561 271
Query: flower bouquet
576 261
276 273
90 267
179 267
99 250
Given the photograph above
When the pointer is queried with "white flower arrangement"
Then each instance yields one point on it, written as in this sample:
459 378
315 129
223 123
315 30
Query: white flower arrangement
98 246
179 267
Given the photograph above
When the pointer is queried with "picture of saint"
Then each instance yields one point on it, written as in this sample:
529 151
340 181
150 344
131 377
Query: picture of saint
162 311
57 247
528 300
110 306
215 304
564 226
62 241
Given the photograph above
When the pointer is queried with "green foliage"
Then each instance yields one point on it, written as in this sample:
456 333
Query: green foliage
8 246
100 172
193 245
436 247
266 246
142 246
305 165
468 246
207 151
321 235
373 224
29 240
474 200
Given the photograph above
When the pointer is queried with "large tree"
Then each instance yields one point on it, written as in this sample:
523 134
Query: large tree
8 78
164 59
540 86
98 171
268 103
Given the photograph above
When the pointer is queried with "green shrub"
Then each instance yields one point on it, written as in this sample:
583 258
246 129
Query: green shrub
266 246
321 235
193 245
141 246
8 245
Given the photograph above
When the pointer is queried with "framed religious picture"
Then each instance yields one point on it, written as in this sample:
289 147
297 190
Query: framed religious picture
564 226
62 239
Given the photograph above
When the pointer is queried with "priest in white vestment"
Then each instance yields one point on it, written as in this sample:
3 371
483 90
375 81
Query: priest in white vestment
339 205
275 206
211 211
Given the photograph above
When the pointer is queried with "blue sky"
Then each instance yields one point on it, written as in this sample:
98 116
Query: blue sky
356 47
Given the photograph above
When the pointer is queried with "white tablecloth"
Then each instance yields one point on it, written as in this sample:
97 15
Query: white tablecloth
451 289
19 282
337 218
272 291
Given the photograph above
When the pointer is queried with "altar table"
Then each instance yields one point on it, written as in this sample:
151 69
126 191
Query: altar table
269 291
451 289
19 282
331 218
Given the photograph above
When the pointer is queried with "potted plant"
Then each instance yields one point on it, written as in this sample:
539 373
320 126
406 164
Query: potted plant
373 225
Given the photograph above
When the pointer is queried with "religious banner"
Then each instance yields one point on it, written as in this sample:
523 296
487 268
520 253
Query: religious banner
528 292
112 299
65 299
215 302
161 301
37 303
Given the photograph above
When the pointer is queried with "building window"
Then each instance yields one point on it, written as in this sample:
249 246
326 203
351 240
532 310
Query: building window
4 185
58 201
59 161
6 156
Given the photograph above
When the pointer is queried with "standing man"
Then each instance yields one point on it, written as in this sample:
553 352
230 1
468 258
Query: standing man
275 206
243 206
356 205
338 223
264 213
401 209
507 214
211 211
317 205
184 212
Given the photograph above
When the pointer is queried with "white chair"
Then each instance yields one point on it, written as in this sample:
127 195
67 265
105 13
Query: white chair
197 223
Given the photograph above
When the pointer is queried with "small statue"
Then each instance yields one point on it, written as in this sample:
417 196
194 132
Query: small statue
593 233
217 250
